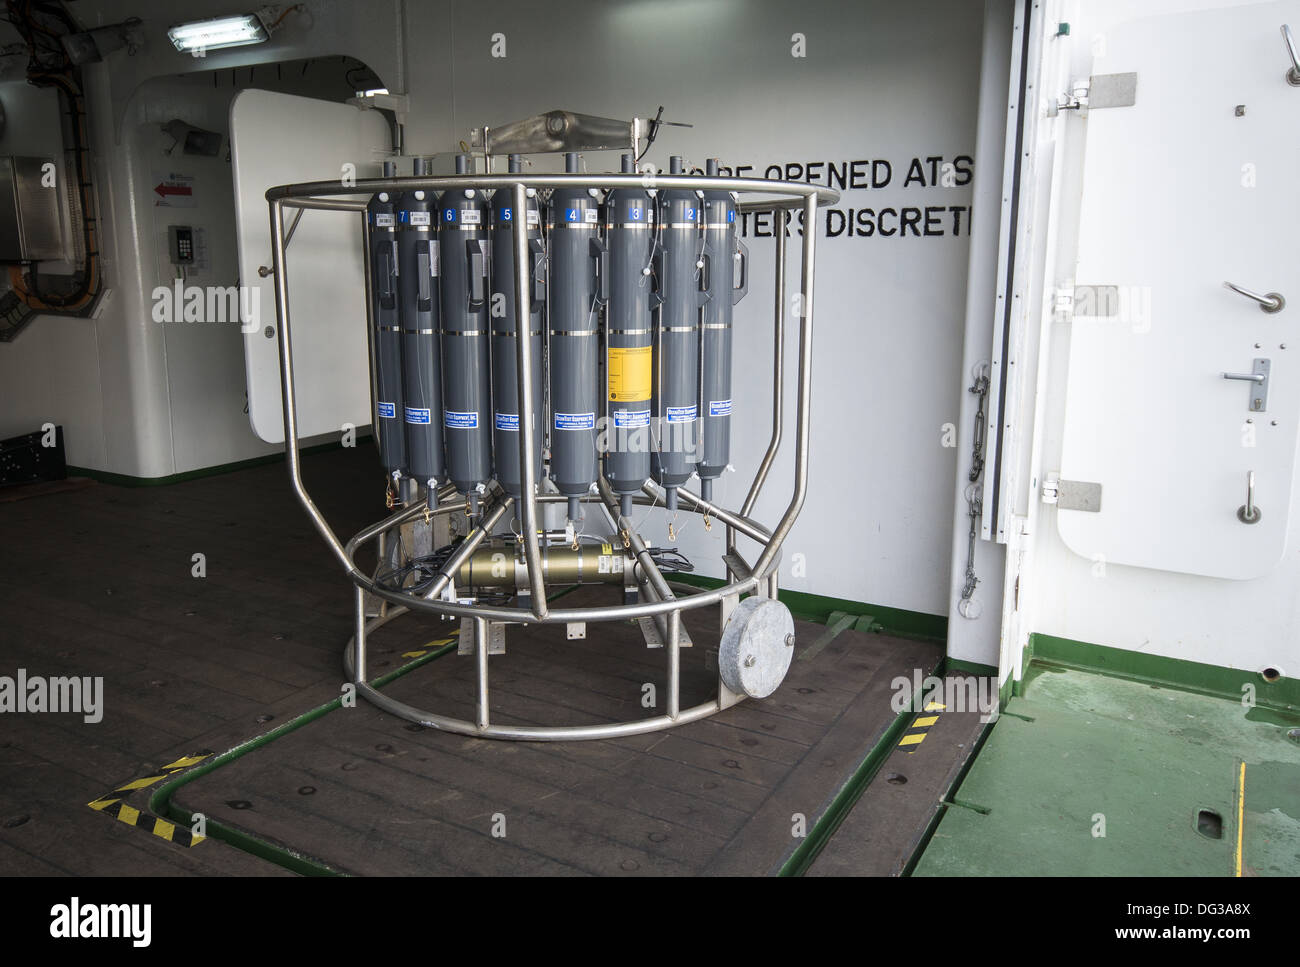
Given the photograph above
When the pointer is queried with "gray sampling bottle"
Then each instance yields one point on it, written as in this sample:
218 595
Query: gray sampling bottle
505 330
385 313
678 272
463 249
575 280
417 257
629 236
724 257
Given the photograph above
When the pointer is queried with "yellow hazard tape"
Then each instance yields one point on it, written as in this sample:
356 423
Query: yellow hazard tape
139 783
1241 816
922 722
112 805
431 646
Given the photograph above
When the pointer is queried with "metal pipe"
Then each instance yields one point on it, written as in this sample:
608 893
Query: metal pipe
527 418
804 421
491 517
531 733
366 270
701 506
624 526
612 510
561 733
325 204
554 616
481 658
387 524
359 655
674 646
778 374
293 227
381 550
288 399
307 194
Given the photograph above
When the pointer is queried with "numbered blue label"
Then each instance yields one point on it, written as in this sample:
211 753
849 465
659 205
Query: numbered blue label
571 214
631 418
449 215
575 421
507 421
690 214
460 421
417 415
635 213
505 214
388 411
731 215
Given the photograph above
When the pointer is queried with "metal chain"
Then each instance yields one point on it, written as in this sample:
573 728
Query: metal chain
976 509
973 493
980 389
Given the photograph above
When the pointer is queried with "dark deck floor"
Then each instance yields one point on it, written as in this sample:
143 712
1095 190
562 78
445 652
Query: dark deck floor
99 583
366 793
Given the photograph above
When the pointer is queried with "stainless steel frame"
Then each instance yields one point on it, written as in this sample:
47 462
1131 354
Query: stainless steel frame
781 197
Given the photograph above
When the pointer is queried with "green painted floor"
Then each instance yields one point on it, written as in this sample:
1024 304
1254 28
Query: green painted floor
1086 775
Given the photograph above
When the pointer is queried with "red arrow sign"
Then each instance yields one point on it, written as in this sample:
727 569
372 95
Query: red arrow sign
165 189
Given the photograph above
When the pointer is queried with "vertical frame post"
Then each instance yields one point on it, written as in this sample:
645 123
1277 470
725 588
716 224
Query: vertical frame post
804 414
524 384
481 659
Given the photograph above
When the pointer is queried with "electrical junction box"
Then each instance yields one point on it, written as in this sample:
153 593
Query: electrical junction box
30 223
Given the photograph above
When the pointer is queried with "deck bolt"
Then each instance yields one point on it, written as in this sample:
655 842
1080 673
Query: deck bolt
749 661
789 640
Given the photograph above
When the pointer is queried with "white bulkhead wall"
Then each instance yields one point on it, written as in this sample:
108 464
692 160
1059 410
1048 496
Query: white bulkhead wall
812 85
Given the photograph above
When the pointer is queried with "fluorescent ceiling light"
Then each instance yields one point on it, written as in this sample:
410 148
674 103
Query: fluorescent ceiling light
218 33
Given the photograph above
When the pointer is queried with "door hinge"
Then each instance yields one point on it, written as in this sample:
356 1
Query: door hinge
1063 301
1071 494
1097 91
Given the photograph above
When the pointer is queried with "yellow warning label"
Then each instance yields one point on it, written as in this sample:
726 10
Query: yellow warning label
629 374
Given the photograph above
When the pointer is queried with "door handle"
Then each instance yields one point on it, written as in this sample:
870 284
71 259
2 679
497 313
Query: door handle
1268 302
1258 375
1249 512
1292 75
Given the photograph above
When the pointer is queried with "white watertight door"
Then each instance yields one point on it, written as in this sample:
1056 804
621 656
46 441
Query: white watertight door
1194 185
280 139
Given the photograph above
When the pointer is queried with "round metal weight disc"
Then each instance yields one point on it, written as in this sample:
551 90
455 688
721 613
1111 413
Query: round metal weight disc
754 653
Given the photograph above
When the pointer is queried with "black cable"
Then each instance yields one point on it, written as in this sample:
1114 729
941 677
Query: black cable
71 93
652 133
670 560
